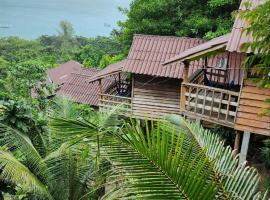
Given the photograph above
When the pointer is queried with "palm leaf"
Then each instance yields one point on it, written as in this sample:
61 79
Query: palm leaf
160 165
238 182
15 139
67 161
16 172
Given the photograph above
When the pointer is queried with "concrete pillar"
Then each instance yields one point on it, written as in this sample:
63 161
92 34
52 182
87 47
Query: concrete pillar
244 148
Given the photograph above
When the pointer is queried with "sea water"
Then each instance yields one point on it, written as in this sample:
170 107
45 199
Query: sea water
32 18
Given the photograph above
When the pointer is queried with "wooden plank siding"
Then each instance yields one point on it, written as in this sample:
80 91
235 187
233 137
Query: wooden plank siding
155 97
251 107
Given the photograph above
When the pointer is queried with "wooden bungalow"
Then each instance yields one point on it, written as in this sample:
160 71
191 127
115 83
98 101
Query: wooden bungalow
225 103
151 90
197 79
71 80
145 88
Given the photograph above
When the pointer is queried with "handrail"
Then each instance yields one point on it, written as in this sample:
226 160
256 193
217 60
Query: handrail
209 103
196 75
114 96
212 88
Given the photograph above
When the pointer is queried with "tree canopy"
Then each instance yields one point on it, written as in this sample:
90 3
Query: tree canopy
193 18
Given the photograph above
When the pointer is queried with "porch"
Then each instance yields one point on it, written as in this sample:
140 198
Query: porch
210 95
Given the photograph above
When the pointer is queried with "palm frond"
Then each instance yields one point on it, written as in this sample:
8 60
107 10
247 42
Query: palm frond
21 142
160 165
238 182
16 172
109 118
68 162
70 127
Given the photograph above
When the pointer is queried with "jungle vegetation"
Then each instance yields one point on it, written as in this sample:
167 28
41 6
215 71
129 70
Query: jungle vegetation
51 148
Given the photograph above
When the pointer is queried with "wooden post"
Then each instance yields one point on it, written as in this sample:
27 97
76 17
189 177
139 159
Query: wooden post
100 89
237 142
205 70
132 93
183 88
119 82
244 148
100 86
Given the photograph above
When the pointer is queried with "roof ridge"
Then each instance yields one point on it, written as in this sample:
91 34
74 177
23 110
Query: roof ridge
168 36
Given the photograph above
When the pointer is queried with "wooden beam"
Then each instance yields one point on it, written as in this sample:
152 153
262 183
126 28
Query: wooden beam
244 148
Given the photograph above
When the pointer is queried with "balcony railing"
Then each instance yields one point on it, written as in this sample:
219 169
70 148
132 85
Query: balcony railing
209 103
123 104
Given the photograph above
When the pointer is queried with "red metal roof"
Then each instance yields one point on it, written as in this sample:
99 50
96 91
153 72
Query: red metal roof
109 70
238 37
80 90
148 52
60 74
202 48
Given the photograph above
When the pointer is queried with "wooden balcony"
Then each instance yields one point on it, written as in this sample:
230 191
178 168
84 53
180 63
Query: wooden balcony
210 104
107 102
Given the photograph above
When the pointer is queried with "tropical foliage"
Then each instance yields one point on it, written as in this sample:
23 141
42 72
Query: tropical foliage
64 172
37 165
56 49
259 29
175 160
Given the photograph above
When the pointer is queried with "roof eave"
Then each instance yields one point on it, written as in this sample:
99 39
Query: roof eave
201 54
103 76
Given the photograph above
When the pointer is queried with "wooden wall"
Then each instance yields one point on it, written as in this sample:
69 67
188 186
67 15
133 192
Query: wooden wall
155 97
252 104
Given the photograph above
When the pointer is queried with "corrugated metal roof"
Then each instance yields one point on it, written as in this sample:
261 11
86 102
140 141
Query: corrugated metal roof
80 90
202 48
60 74
148 52
238 37
109 70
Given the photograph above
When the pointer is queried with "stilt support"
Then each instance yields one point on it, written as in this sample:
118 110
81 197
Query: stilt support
237 142
244 148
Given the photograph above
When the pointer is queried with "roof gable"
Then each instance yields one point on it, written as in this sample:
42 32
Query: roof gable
80 90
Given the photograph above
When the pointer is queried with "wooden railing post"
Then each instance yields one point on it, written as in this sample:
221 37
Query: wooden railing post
183 87
100 90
